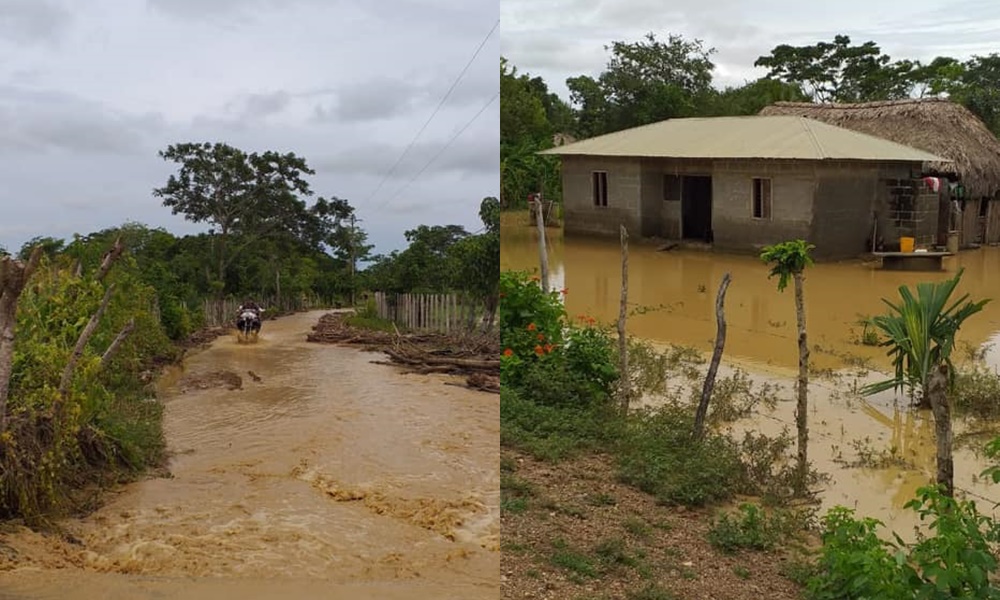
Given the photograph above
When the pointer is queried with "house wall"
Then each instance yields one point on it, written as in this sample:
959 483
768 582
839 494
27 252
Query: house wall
624 195
830 204
792 192
907 207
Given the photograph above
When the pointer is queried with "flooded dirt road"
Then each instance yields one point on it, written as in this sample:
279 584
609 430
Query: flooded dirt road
761 321
298 470
848 434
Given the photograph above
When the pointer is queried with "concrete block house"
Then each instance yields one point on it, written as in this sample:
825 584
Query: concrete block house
970 180
740 183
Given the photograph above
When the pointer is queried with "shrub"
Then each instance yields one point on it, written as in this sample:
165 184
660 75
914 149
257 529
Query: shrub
752 528
104 421
955 561
659 455
552 432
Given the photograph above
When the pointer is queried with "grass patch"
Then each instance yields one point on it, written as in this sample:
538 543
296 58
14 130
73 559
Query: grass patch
370 322
514 494
572 560
638 527
651 591
751 528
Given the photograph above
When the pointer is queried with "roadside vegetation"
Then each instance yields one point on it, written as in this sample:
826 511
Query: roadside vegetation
86 323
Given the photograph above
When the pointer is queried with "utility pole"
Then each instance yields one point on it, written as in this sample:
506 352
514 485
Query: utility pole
351 242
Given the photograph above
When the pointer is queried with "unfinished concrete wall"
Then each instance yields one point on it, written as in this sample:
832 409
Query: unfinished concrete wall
792 189
844 210
624 195
906 207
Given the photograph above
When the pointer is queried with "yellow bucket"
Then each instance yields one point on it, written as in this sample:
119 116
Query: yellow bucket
906 244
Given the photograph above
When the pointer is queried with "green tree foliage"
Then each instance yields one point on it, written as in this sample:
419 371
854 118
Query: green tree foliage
529 117
751 98
838 71
644 82
477 258
248 195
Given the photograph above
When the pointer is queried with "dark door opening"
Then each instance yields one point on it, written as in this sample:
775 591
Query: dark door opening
696 208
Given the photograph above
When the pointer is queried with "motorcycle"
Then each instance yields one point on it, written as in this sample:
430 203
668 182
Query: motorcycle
248 325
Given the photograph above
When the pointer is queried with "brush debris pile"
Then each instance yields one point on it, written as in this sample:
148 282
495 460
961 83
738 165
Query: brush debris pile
474 355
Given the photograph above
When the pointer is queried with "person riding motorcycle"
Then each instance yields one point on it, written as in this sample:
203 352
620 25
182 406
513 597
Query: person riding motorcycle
255 309
252 306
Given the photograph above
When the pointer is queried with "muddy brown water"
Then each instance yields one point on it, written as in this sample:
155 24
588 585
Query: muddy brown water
680 287
319 475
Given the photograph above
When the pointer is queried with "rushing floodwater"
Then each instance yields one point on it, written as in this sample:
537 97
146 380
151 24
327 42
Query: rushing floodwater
329 477
761 337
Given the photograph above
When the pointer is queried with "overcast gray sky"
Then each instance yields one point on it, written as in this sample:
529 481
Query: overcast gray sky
564 38
90 91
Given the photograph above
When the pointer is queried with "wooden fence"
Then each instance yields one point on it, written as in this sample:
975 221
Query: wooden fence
430 312
219 313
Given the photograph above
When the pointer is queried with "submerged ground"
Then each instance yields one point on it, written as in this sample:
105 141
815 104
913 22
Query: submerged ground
297 470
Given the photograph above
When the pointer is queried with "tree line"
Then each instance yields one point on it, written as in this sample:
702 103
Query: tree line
653 79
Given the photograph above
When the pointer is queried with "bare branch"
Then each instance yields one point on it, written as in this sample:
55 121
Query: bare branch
81 343
119 339
109 259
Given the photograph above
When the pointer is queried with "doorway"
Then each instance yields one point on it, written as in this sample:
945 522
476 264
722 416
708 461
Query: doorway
696 208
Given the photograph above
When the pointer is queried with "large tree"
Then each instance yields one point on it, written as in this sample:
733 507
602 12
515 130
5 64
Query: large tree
477 260
249 195
838 71
645 81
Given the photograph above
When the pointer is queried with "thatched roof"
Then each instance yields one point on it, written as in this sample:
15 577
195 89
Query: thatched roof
937 126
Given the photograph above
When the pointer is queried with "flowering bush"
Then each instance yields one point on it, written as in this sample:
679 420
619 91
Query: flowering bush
556 362
531 321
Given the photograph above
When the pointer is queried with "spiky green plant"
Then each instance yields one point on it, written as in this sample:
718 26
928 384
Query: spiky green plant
920 333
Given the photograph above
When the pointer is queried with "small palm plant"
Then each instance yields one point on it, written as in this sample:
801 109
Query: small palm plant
920 334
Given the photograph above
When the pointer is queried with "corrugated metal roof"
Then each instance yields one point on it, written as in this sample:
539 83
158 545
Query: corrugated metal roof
771 137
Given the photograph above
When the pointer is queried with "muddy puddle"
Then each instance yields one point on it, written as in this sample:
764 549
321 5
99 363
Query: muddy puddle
297 470
848 434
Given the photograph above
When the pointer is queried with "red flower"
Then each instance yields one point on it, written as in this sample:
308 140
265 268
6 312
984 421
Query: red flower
541 337
508 352
549 347
539 350
532 327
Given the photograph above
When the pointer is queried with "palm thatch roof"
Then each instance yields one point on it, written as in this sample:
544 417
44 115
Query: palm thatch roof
937 126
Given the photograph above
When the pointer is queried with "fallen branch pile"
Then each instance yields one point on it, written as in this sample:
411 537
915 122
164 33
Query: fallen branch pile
473 355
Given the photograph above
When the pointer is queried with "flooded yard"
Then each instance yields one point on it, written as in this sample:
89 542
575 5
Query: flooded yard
678 288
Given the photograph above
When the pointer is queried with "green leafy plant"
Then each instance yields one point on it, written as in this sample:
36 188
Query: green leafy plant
920 333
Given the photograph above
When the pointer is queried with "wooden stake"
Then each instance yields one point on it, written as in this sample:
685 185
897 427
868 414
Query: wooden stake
542 251
624 387
713 367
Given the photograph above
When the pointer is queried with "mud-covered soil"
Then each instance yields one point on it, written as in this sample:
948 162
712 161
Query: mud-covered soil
473 356
571 531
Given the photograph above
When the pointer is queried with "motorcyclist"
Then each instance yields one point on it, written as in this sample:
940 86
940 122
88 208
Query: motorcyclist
251 306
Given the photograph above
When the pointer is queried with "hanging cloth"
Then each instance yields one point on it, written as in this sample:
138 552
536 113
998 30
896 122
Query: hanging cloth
934 183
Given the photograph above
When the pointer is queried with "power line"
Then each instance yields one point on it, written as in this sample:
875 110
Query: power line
441 151
392 169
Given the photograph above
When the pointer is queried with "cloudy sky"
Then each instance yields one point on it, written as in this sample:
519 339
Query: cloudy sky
90 91
564 38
